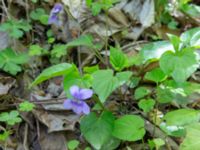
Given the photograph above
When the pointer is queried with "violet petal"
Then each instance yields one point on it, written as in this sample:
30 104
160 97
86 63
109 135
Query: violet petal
53 19
74 91
85 108
54 15
85 94
57 8
68 104
80 107
77 107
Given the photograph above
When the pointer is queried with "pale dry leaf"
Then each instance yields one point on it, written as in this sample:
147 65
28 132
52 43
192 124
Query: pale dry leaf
56 121
147 13
75 7
5 84
4 40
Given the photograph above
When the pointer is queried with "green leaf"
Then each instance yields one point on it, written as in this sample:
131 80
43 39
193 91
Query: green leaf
10 118
188 87
195 40
87 80
35 50
134 81
51 40
191 10
74 78
53 71
154 50
90 69
146 104
59 50
181 64
83 40
88 3
73 144
4 135
156 75
192 139
165 94
15 28
49 33
97 131
123 77
182 117
111 144
44 19
87 148
39 14
129 128
22 24
179 93
173 24
34 1
96 8
157 143
10 61
104 83
141 92
26 106
118 59
175 40
187 36
106 4
173 130
181 2
16 33
134 60
35 14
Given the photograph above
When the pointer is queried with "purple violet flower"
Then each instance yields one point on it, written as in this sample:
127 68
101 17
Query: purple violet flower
54 14
78 104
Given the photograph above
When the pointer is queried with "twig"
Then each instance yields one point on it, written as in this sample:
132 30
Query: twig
38 128
106 45
5 9
37 102
25 137
87 59
132 44
79 57
27 13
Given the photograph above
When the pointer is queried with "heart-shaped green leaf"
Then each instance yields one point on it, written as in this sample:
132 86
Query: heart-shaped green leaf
180 65
104 83
129 128
97 130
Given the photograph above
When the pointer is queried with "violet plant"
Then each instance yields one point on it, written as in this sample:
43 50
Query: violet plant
106 128
101 127
77 103
54 15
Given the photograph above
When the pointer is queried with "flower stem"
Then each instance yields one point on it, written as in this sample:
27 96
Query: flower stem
106 44
99 102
